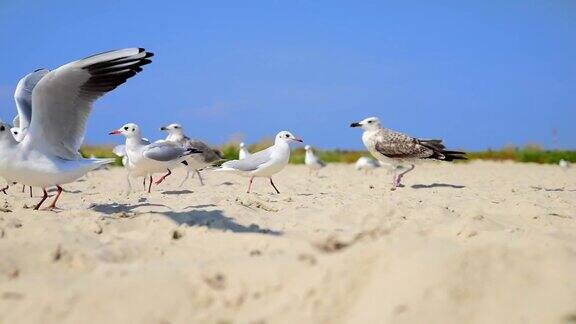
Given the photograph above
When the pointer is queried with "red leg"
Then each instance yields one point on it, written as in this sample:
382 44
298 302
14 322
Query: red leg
149 183
53 205
159 181
272 183
30 191
43 198
250 184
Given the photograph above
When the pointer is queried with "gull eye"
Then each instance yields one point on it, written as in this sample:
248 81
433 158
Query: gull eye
287 135
126 128
369 122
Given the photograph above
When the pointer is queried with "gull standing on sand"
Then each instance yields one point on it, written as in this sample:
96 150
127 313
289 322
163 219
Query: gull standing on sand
54 126
120 150
265 163
396 148
243 152
312 161
367 164
196 162
146 159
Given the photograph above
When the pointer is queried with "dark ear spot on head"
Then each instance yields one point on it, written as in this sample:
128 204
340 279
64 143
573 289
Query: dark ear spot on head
133 129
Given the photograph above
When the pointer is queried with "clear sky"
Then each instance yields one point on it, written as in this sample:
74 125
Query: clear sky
478 75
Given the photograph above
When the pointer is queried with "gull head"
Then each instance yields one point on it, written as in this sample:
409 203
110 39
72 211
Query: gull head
241 144
307 147
129 130
5 133
286 137
370 123
173 129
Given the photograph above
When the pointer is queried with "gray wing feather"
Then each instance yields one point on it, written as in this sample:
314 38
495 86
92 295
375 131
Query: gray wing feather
251 162
397 145
164 151
208 154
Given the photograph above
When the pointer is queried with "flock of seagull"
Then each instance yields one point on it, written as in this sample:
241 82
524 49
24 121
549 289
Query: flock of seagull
41 148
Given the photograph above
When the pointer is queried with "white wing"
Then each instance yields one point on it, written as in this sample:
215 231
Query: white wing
63 98
23 97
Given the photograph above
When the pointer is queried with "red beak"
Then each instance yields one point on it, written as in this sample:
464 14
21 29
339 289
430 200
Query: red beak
114 132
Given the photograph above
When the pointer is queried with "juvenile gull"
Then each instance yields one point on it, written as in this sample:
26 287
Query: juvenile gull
243 152
392 147
312 161
61 104
196 162
146 159
264 163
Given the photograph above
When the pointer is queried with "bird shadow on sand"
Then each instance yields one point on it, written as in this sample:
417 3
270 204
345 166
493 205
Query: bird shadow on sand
437 185
114 208
177 192
214 219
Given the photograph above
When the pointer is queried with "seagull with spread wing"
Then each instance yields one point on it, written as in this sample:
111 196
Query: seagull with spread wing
53 125
397 148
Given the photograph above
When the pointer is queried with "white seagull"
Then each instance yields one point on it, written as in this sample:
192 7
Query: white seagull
265 163
395 148
146 159
312 161
196 162
367 164
54 128
243 152
120 150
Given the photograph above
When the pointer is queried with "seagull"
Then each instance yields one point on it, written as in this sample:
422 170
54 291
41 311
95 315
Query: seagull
564 164
264 163
243 152
120 150
146 159
367 164
198 161
312 161
53 126
396 148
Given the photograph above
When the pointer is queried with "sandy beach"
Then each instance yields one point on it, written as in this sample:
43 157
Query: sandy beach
479 242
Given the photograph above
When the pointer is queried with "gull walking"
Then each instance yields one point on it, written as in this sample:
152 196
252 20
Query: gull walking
196 162
312 161
120 150
146 159
367 164
54 127
265 163
396 148
243 152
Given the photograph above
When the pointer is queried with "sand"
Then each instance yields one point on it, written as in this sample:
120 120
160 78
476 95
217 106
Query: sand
481 242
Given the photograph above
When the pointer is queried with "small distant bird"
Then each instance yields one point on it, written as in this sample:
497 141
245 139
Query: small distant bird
312 161
196 162
147 159
243 152
396 148
265 163
564 164
367 164
53 129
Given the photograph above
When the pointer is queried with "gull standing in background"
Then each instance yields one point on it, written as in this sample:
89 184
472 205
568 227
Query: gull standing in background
367 164
265 163
243 152
146 159
53 129
198 161
396 148
312 161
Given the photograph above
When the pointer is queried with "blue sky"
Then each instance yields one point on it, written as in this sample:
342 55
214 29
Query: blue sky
478 75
